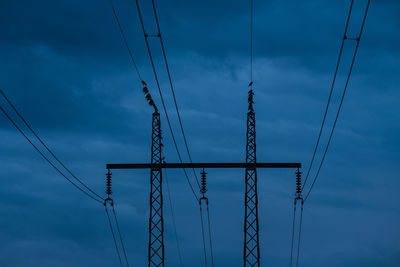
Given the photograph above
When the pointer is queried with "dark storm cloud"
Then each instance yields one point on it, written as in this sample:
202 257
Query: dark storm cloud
64 65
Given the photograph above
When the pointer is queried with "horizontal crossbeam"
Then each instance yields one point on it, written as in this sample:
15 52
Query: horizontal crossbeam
202 165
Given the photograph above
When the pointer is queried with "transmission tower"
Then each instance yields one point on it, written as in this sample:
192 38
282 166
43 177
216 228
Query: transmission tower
156 222
251 249
251 252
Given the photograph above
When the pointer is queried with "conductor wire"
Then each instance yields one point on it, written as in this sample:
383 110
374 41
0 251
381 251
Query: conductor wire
44 157
341 102
45 146
120 236
330 93
125 40
113 235
293 227
162 99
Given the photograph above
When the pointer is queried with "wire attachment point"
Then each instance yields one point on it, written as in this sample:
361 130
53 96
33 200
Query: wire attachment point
110 200
203 188
108 184
298 182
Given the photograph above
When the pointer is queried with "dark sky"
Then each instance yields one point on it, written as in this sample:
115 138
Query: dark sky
63 64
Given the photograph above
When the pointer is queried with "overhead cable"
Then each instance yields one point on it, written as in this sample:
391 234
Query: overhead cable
178 248
113 235
94 197
162 98
173 90
46 147
111 201
330 93
341 99
203 190
121 30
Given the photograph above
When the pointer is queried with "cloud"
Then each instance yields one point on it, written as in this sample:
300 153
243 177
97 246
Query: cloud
65 67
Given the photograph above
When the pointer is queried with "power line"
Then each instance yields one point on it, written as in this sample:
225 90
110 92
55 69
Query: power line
46 147
173 220
298 198
299 238
113 235
162 98
111 201
345 37
293 227
120 236
173 90
341 101
209 236
203 190
251 44
44 157
158 85
125 40
203 236
330 93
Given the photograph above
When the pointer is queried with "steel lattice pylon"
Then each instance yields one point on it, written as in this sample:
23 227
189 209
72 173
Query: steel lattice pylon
156 222
251 250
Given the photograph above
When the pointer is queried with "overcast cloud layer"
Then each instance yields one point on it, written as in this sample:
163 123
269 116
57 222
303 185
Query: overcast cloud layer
63 64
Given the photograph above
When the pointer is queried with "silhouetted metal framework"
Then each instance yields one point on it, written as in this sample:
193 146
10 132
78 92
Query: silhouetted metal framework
251 249
156 165
156 222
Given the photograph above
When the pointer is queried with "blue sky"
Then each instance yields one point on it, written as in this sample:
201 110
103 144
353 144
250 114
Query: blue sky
63 64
